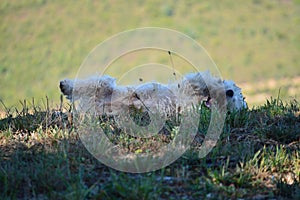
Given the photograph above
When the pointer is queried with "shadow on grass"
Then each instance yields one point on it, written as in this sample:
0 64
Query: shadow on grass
257 156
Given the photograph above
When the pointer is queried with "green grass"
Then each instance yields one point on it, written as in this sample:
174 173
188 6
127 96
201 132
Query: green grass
43 41
257 156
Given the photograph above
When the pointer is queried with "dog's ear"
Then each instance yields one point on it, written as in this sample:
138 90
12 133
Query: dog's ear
196 82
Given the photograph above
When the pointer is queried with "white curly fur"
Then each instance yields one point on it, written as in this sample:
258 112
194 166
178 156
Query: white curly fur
103 95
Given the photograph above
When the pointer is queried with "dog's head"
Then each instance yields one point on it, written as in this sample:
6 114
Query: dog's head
206 85
234 97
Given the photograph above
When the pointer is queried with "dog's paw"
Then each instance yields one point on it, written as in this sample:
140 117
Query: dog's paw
66 87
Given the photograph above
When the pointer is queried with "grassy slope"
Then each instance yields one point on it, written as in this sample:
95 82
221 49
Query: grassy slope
256 157
44 41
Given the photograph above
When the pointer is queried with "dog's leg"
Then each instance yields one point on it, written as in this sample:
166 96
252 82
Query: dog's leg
101 87
66 87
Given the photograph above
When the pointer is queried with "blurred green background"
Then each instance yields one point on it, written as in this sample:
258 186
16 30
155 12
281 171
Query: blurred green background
255 43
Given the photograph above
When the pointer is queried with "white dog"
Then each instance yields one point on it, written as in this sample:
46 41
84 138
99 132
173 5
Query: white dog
104 96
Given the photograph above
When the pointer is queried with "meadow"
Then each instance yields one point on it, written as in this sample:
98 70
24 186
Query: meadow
42 42
255 43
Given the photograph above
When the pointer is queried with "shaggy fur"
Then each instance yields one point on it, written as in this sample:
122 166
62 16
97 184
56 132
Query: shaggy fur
104 96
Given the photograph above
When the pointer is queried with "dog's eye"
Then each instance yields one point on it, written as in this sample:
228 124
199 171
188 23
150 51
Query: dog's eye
229 93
